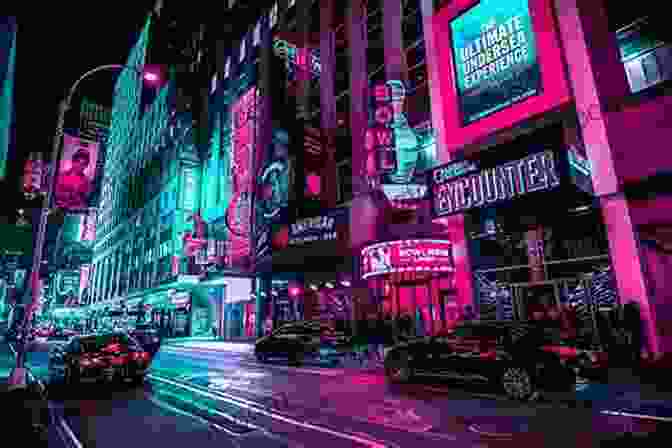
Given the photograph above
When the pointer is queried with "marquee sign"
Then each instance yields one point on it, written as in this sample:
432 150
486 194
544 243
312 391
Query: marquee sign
407 256
475 187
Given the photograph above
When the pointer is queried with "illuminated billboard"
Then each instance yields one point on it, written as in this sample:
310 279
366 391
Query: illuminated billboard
407 256
76 175
239 212
495 57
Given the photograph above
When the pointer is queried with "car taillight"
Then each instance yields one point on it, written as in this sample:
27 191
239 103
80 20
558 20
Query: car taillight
140 356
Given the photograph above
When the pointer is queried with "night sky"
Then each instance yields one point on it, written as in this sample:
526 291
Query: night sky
54 48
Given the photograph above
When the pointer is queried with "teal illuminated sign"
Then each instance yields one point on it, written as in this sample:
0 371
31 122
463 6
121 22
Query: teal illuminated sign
495 57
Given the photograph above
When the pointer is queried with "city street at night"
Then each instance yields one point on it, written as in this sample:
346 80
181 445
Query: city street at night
216 393
336 223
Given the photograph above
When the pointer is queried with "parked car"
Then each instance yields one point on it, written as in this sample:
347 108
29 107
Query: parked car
149 338
516 356
99 357
300 341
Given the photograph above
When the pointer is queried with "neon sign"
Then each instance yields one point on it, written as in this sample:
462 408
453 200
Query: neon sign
379 139
407 256
471 190
300 57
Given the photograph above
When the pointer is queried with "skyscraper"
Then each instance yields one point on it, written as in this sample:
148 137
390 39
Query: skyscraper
7 67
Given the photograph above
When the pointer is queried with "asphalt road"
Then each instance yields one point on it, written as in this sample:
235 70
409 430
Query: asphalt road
198 397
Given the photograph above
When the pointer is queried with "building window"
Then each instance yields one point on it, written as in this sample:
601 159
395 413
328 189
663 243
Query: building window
643 40
646 54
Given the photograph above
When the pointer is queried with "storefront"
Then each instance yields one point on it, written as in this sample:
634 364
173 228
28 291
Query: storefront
412 282
536 235
295 281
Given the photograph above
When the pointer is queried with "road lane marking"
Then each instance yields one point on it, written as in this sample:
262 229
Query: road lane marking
163 404
255 407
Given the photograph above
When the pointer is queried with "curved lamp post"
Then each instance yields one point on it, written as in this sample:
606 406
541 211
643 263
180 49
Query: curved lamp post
18 375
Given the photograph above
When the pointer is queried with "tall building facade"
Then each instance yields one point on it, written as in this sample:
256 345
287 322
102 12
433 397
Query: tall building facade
7 68
413 158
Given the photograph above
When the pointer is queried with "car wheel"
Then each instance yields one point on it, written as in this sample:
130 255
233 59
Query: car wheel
398 369
518 383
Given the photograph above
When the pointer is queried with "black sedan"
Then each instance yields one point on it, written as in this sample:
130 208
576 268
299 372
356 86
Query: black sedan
99 357
301 341
511 355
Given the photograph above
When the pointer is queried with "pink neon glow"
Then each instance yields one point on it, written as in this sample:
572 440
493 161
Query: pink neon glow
294 291
407 256
554 91
243 125
150 76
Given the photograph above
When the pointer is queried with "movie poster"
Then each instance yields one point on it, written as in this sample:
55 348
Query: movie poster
495 57
273 183
76 175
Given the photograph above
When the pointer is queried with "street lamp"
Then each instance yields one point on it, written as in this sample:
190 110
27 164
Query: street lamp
18 375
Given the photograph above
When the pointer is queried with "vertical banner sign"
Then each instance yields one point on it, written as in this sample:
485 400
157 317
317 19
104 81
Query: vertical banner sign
239 213
379 138
272 192
76 175
495 57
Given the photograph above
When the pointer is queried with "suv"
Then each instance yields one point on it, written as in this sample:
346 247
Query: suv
513 355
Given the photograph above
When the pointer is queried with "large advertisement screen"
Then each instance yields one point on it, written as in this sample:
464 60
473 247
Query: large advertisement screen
76 175
407 256
495 57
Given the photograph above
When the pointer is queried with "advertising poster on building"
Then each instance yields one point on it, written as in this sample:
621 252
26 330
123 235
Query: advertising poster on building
75 183
407 256
34 176
239 213
495 57
272 200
